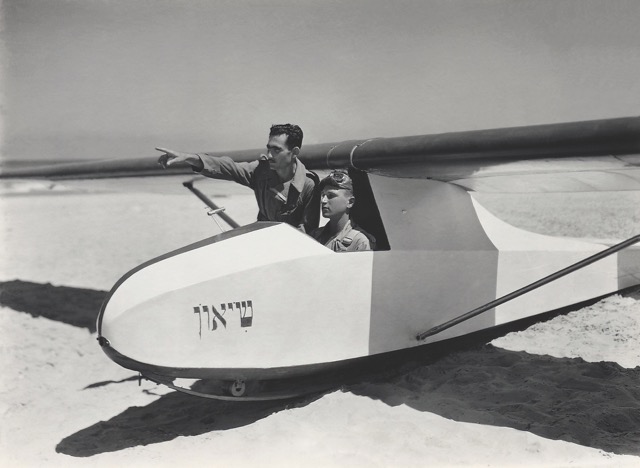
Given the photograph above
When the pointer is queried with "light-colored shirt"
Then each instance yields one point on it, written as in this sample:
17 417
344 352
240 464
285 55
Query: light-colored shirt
351 238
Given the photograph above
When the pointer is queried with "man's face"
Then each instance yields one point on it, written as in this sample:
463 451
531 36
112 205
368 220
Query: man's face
335 202
278 154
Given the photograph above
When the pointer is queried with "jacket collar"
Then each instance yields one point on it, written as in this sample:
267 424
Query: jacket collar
300 176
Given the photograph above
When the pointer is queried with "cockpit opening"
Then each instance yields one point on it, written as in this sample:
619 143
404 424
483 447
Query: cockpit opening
365 211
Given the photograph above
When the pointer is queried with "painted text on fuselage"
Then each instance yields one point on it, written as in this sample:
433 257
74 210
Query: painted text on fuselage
215 317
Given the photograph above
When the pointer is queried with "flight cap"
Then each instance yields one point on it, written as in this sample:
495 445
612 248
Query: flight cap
337 179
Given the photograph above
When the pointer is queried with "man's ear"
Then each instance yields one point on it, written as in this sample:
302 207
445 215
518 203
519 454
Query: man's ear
351 201
295 151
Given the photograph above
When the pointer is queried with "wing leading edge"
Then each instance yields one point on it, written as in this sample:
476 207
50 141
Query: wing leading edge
596 155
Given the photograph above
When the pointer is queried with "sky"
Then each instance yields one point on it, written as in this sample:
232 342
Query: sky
115 78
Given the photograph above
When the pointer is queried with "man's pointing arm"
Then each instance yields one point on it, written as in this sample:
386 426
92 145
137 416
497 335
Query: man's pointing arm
171 157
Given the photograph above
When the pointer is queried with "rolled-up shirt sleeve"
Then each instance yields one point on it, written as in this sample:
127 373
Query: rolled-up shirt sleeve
223 167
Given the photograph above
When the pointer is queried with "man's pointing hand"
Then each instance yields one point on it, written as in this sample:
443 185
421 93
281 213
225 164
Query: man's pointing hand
171 157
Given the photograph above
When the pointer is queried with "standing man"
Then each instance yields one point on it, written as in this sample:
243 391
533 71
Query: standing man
283 187
340 233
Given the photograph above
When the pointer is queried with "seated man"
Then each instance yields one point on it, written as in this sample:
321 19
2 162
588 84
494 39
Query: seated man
340 234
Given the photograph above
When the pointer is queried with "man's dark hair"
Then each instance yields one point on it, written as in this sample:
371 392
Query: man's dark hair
293 132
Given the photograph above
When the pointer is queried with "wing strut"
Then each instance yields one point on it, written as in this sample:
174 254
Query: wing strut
219 211
530 287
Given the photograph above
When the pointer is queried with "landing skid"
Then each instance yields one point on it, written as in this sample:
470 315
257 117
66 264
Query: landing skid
241 390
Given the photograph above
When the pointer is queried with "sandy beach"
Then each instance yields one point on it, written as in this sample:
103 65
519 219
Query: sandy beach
561 393
544 83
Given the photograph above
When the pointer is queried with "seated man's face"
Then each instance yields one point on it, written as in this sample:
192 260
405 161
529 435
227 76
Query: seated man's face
335 202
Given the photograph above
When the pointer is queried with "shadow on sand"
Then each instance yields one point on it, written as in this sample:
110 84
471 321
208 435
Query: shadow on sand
591 404
172 415
74 306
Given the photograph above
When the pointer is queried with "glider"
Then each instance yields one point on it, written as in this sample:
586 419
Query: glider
264 311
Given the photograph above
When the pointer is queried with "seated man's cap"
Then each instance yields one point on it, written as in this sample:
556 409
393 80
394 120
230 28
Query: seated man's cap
338 179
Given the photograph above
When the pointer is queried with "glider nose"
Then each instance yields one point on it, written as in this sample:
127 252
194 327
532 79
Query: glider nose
219 318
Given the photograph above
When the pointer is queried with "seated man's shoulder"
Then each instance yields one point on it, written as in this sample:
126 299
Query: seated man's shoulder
361 239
